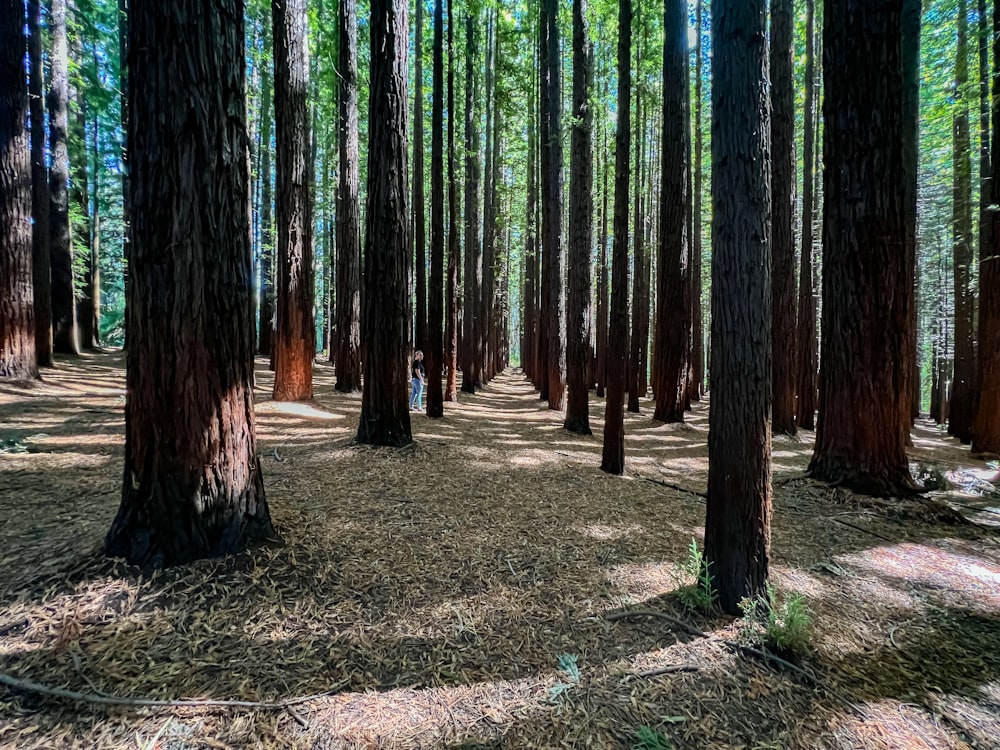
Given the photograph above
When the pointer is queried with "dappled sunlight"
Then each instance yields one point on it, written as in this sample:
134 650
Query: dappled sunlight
298 409
642 581
604 533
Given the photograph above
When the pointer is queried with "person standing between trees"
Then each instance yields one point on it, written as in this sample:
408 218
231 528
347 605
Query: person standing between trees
418 379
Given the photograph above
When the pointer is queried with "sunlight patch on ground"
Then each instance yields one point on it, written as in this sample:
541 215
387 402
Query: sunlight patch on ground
604 533
298 409
642 581
892 724
794 579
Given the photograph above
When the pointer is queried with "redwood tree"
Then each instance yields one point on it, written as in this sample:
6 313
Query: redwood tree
581 229
783 216
192 483
673 287
860 442
17 316
419 216
473 245
613 453
41 261
348 365
451 288
385 329
738 518
265 340
435 305
295 335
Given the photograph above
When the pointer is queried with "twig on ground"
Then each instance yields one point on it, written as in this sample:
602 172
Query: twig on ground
676 487
691 629
668 669
863 530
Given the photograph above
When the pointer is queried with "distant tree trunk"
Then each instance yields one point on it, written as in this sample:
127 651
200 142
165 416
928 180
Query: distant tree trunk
531 244
613 453
192 483
349 209
783 217
581 230
673 284
485 311
473 244
41 261
295 334
986 431
638 253
807 349
435 306
385 416
603 280
419 215
123 86
552 180
738 519
64 333
454 250
859 443
909 407
265 341
86 312
698 325
95 223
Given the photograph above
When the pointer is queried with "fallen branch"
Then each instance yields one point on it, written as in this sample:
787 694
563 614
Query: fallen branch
676 487
863 530
26 686
668 669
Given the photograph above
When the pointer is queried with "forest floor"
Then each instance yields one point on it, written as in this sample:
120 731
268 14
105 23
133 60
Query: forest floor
456 593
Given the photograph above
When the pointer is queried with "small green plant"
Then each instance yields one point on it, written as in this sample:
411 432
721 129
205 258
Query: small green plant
567 665
778 621
649 739
701 595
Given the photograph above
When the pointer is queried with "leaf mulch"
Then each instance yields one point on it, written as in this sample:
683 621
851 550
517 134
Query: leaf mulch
456 593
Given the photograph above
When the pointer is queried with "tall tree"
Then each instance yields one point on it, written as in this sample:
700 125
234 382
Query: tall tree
41 261
435 306
64 332
805 336
419 215
962 387
485 312
473 246
909 395
602 279
738 518
17 316
860 442
451 288
385 323
87 316
193 485
552 181
613 453
640 308
986 431
783 216
697 325
531 241
348 206
581 229
673 284
265 340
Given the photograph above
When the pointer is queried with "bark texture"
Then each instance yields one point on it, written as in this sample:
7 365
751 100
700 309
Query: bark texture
738 518
192 485
41 261
435 305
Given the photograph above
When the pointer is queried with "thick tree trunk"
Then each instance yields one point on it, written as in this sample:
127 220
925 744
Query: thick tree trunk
473 244
866 296
552 181
419 215
265 340
435 306
41 261
581 230
385 323
349 209
962 391
64 330
454 251
782 217
613 453
807 350
295 334
192 482
673 283
738 518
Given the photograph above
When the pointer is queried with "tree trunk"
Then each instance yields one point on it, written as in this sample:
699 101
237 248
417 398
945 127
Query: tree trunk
95 242
123 86
673 287
909 395
41 261
349 209
295 334
64 330
451 307
783 217
602 282
531 244
807 349
613 453
86 311
986 431
385 323
552 180
865 292
192 483
638 249
435 306
473 244
265 341
419 215
738 518
485 311
962 392
698 325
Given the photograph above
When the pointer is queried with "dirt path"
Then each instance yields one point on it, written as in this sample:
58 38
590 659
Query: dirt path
447 590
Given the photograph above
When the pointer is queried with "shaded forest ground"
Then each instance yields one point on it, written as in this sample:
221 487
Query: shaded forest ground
439 588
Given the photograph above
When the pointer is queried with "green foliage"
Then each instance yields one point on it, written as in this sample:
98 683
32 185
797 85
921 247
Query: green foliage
778 621
568 666
701 595
649 739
